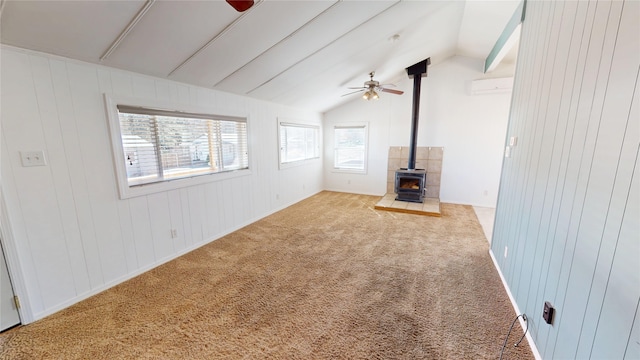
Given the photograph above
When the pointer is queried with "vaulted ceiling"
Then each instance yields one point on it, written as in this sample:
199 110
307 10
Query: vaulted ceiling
302 53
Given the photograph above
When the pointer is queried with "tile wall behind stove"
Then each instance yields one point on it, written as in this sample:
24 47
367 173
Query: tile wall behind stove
427 157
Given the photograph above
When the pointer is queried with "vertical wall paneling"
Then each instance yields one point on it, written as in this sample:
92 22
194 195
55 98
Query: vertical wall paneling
593 41
568 203
57 159
216 211
608 194
518 102
18 227
105 81
160 221
144 87
126 232
543 143
71 139
121 83
564 74
524 157
572 95
584 250
197 213
185 207
142 235
42 214
97 163
175 212
73 235
237 205
545 173
633 344
164 92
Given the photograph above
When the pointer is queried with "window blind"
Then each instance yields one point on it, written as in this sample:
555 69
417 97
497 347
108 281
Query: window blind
350 147
298 142
161 145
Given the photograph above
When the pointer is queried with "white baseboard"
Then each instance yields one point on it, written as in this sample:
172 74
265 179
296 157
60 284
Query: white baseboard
532 344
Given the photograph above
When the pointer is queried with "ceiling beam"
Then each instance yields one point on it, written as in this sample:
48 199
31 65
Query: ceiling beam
128 29
216 37
509 37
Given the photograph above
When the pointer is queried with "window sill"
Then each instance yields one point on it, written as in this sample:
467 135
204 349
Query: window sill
288 165
349 171
127 192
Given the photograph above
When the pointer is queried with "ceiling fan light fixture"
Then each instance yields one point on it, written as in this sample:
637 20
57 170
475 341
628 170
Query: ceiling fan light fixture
370 94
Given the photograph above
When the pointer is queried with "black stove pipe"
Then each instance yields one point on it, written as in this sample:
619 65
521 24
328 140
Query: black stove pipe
419 69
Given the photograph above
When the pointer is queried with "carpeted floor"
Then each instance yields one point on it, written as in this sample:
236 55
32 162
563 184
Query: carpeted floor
327 278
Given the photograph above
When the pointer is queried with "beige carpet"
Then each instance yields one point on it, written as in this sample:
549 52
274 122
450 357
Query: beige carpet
327 278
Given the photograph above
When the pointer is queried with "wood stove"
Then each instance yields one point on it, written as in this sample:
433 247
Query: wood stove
410 182
410 185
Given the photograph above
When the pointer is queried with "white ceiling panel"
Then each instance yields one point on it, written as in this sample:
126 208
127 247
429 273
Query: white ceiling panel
336 21
369 44
77 29
428 35
293 52
264 25
169 33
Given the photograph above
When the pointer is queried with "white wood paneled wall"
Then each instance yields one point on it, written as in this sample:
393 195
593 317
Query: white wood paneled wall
569 196
72 235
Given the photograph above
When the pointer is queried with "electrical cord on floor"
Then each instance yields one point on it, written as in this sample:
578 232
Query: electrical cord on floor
524 317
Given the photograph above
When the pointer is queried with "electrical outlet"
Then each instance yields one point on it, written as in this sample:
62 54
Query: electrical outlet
33 158
547 313
507 151
506 250
174 233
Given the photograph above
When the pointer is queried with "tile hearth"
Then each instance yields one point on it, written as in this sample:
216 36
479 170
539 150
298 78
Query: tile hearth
430 207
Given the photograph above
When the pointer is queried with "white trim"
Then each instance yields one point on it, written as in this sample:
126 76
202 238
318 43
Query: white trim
13 264
532 344
124 190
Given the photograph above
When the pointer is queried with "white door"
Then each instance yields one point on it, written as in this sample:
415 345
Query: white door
8 312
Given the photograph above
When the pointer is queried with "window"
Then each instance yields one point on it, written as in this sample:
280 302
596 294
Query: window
298 142
155 147
350 151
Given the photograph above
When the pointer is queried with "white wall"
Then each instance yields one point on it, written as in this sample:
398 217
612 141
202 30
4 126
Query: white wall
70 233
471 128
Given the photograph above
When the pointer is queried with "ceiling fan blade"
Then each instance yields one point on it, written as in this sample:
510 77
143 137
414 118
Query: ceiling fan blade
360 87
353 92
240 5
392 91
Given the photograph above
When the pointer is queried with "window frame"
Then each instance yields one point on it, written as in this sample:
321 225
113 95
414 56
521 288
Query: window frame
294 123
351 125
127 191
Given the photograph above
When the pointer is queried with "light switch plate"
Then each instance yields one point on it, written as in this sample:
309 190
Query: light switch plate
33 158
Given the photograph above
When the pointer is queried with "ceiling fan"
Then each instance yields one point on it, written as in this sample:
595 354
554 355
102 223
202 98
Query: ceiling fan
372 87
240 5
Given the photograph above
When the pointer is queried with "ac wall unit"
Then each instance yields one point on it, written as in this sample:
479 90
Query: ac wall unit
491 86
